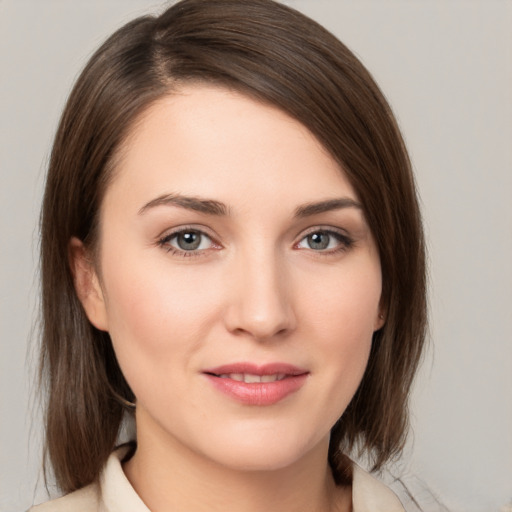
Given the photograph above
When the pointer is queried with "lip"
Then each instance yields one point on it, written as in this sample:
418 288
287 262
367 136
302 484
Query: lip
257 393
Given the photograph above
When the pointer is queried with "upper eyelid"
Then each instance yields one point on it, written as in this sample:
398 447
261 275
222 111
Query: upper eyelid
324 229
205 230
169 232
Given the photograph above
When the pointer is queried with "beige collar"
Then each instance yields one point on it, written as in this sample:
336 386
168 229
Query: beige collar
368 493
114 493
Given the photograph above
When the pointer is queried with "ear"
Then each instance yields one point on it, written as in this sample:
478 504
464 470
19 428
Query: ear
381 318
87 284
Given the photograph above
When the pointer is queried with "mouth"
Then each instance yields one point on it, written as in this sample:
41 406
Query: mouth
251 378
251 384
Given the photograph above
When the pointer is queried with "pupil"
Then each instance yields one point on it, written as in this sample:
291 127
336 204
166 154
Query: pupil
189 241
318 240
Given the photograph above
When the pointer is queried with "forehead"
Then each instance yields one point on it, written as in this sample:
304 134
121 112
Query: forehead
211 141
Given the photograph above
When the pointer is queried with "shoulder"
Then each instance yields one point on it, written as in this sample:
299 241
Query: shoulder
86 499
112 492
371 495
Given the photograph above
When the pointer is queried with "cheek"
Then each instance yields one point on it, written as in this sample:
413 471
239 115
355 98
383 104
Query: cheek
346 303
155 317
343 315
348 340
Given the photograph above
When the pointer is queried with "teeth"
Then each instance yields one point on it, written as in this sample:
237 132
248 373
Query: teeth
234 376
249 378
273 378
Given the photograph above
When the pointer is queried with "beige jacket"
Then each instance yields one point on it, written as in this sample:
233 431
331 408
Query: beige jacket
114 493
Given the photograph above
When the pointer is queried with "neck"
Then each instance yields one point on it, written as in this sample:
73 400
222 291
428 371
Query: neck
168 476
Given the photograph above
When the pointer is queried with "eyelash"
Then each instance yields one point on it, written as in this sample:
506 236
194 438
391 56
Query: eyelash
344 242
164 242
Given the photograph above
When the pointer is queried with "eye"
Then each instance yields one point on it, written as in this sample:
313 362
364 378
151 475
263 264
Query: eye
324 240
187 240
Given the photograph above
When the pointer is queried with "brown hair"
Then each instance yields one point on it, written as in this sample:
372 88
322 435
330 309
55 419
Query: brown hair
276 55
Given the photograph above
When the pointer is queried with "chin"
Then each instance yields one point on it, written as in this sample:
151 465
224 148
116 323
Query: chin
267 451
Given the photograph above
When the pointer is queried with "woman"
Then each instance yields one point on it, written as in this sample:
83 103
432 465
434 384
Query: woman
232 251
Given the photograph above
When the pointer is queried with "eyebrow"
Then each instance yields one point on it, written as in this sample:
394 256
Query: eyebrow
208 206
213 207
328 205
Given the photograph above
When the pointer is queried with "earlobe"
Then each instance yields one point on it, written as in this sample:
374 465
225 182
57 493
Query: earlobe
87 284
380 320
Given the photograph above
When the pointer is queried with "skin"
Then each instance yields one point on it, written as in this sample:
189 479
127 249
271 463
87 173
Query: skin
256 289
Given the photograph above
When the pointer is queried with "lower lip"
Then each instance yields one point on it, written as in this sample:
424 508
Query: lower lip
258 393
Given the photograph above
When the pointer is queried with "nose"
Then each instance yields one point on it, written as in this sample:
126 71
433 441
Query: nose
261 305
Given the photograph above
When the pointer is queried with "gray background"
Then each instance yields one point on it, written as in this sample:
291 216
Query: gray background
446 67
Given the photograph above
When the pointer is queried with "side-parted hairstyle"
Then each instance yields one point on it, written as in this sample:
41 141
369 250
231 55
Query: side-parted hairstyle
275 55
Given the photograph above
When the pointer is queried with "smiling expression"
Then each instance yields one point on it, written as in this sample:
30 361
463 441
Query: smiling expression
238 279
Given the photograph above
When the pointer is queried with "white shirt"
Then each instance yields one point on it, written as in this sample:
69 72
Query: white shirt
114 493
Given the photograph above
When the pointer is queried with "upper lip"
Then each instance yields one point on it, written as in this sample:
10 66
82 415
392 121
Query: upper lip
255 369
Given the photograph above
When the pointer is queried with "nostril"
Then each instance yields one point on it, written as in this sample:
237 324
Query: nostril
260 306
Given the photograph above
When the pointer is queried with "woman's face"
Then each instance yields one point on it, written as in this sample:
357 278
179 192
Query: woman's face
238 280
